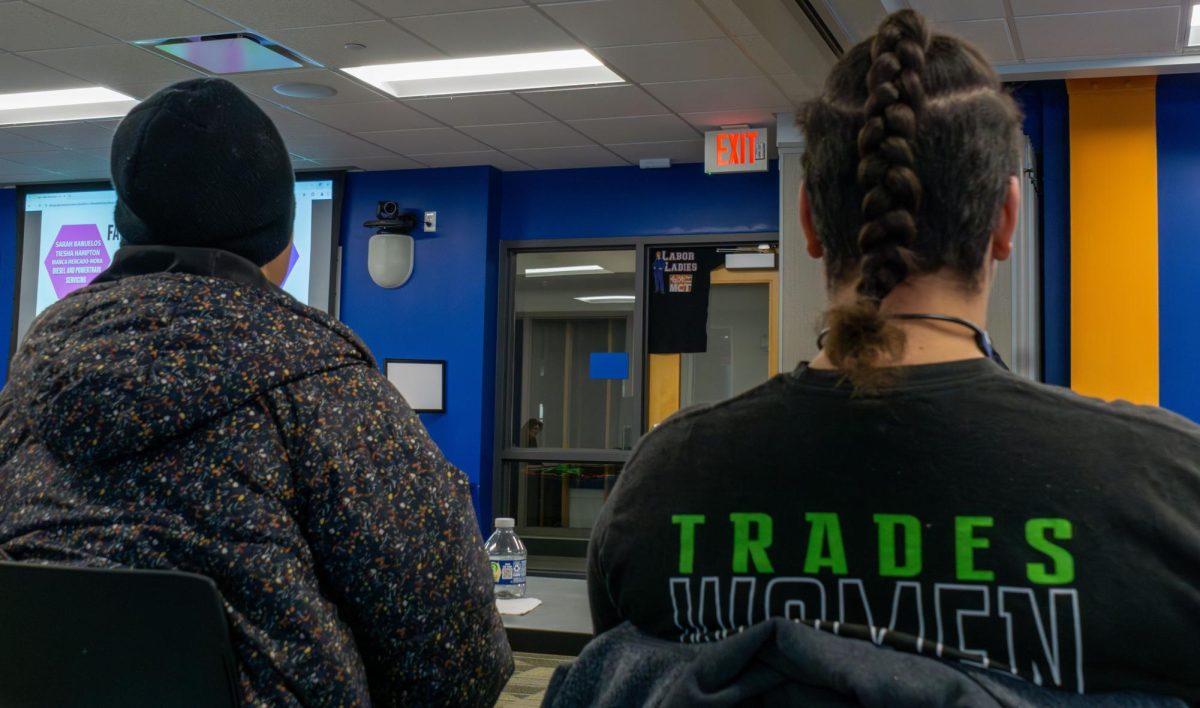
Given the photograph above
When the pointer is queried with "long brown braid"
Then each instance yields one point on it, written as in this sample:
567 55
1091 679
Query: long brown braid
922 105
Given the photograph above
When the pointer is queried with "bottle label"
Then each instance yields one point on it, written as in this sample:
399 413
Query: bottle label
508 572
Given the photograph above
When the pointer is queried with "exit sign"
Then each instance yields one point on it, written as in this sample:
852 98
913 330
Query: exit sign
741 150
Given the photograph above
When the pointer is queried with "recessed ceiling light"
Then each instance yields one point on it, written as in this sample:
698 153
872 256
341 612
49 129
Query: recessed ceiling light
508 72
606 299
563 270
63 105
1194 29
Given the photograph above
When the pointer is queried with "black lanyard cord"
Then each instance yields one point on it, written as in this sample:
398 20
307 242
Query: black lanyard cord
982 340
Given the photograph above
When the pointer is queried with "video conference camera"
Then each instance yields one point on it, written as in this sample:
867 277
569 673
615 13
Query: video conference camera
390 220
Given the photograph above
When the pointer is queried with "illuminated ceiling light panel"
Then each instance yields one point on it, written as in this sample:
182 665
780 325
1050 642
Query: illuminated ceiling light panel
230 53
63 105
508 72
563 270
606 299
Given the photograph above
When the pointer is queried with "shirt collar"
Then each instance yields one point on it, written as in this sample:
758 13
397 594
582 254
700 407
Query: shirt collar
130 261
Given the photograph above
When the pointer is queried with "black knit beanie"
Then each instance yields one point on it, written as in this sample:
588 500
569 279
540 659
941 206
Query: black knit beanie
199 164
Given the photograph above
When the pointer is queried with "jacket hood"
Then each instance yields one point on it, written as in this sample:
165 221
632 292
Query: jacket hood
118 368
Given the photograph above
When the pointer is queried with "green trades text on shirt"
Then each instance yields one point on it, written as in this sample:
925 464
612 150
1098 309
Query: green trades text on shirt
899 549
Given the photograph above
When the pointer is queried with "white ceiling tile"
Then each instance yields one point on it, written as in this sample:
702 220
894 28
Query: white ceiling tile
425 140
765 55
24 27
606 23
330 147
990 36
114 64
140 19
11 141
292 124
954 10
76 136
493 158
639 129
679 152
411 8
348 90
1057 7
798 89
568 157
385 44
59 160
366 117
733 20
718 95
714 120
391 162
1134 32
273 14
505 31
680 61
18 74
487 109
12 173
597 102
527 135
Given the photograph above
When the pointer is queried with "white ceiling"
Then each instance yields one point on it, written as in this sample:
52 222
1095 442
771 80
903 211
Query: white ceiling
691 65
1045 38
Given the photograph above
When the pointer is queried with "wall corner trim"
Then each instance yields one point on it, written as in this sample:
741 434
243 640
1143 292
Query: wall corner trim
1114 84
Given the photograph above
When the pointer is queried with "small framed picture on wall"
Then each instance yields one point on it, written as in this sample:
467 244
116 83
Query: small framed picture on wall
422 382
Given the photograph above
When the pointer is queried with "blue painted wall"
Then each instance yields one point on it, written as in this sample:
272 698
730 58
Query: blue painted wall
1045 107
8 267
629 201
446 310
1178 103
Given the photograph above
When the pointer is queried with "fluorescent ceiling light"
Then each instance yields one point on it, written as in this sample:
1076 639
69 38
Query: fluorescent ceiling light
508 72
63 105
563 270
606 299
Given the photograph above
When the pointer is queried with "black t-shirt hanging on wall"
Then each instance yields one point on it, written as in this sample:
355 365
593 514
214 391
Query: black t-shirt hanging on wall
966 514
679 286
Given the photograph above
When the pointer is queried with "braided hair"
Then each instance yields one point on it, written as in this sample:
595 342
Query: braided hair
910 149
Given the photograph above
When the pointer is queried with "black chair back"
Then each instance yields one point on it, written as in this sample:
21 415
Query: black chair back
106 638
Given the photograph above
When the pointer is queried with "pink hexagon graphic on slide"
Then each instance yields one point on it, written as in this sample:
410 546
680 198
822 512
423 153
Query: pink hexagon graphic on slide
291 264
76 257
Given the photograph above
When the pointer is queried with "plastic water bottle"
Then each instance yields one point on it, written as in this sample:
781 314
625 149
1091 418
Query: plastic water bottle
507 554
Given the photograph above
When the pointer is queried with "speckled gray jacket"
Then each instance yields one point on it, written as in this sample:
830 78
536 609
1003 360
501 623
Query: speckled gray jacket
183 413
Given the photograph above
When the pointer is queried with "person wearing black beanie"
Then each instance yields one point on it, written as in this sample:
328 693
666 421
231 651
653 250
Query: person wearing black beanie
198 164
183 412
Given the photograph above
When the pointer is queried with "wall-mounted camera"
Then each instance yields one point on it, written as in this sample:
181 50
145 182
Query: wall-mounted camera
390 252
389 219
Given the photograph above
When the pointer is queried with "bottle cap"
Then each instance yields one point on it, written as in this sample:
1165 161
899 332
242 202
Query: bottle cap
505 523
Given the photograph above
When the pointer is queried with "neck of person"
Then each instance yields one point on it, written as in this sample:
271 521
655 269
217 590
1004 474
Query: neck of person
928 341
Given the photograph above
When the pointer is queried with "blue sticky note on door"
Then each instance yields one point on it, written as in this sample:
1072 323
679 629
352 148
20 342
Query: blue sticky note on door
609 365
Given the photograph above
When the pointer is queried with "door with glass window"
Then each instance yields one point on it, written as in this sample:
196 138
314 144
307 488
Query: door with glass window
580 384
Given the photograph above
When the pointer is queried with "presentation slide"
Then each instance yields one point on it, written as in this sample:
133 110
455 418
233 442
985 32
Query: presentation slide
69 238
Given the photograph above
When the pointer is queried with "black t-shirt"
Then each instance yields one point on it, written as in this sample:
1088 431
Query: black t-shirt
966 513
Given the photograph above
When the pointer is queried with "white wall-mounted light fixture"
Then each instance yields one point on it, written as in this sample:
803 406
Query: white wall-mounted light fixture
63 105
563 270
505 72
391 252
